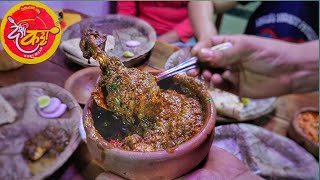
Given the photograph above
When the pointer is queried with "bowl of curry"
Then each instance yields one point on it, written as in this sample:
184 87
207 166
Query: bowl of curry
175 142
304 129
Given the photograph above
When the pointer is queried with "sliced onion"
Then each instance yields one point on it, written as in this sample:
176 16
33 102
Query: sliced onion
59 112
53 106
133 43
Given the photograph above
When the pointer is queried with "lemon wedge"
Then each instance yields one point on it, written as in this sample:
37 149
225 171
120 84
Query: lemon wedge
127 54
245 101
43 101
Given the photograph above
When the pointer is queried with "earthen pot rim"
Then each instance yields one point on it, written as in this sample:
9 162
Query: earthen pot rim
206 131
69 83
296 125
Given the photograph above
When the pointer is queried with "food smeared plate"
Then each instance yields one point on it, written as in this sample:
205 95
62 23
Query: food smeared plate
230 107
44 132
129 38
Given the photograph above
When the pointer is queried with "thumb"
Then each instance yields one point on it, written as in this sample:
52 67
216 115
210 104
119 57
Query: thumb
225 57
201 44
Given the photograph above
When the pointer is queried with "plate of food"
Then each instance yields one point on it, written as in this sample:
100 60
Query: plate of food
38 129
230 107
129 38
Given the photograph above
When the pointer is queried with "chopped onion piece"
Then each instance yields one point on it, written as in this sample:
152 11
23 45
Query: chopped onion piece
59 112
53 106
133 43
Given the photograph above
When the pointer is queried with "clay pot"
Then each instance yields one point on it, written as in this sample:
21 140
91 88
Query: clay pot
159 164
81 83
296 133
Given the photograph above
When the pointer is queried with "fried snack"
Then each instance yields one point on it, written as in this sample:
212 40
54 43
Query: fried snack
51 140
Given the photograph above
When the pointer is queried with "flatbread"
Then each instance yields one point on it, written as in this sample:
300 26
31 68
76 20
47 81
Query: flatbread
226 103
229 105
7 113
265 153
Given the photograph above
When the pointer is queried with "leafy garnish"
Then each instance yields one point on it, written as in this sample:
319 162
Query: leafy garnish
113 86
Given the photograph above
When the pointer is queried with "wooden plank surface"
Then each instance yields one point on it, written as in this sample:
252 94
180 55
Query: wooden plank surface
46 72
289 104
161 53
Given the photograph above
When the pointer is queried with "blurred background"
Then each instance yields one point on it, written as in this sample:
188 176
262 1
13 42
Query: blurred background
238 15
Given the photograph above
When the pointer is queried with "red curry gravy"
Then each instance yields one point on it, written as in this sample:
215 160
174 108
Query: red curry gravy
180 118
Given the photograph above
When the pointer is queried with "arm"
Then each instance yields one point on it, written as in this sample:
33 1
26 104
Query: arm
126 8
223 6
169 37
182 32
200 14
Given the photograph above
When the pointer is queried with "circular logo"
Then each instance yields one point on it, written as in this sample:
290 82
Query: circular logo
30 32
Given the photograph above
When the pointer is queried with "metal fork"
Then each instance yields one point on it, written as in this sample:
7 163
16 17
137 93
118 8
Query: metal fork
191 63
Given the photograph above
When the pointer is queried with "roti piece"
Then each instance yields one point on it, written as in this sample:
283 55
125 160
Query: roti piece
240 109
226 103
7 113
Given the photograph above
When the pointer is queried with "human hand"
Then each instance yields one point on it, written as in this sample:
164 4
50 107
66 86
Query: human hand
220 165
259 67
169 37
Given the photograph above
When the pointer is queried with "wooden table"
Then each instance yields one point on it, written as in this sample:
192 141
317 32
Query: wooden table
58 68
